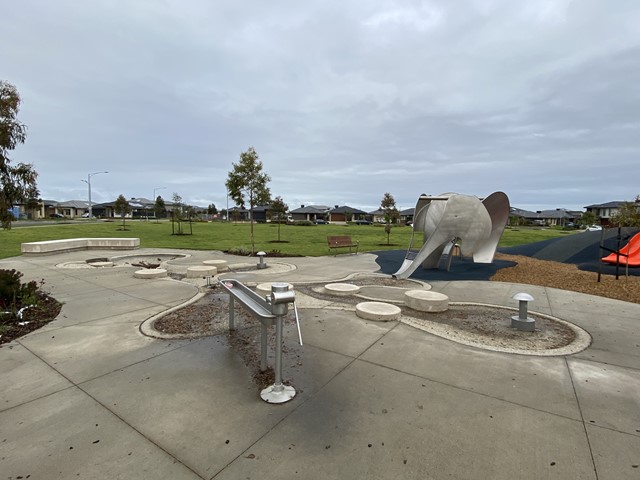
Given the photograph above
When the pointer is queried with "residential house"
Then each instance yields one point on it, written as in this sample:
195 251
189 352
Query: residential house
604 211
557 217
346 214
310 213
406 215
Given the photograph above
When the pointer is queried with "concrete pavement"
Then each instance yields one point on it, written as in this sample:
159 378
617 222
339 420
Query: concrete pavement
89 396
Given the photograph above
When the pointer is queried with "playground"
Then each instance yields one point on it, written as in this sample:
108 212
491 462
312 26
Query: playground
386 395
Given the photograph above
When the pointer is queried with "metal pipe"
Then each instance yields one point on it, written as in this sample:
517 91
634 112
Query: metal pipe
278 367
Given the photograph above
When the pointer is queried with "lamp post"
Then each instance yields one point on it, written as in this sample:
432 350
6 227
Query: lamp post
88 182
154 200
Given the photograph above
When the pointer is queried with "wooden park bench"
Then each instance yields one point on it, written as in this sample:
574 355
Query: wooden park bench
342 241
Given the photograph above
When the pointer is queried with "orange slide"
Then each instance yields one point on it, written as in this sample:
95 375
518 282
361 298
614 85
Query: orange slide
632 249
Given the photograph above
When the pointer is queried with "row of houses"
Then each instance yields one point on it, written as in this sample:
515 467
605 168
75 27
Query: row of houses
143 207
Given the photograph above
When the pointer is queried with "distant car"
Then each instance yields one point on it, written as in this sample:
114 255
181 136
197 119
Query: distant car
594 228
85 215
321 222
362 222
56 215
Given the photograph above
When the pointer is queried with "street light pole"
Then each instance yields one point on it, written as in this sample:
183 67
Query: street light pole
88 182
154 200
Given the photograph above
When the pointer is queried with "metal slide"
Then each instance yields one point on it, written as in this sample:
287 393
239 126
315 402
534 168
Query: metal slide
446 218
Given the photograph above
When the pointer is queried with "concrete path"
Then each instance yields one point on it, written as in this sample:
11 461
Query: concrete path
89 396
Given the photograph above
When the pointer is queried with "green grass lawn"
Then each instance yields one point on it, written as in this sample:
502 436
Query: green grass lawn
296 240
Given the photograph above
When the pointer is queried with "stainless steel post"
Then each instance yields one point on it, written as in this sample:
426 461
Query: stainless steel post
263 348
278 352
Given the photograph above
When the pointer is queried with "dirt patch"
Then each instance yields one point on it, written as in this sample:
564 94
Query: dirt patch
491 326
210 316
32 319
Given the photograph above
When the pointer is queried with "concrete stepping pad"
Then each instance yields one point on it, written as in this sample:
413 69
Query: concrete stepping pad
341 289
426 301
201 271
377 311
148 273
265 288
221 265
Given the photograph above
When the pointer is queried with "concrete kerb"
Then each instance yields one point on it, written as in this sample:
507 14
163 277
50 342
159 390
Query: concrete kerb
147 326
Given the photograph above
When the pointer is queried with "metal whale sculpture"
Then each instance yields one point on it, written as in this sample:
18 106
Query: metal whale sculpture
450 218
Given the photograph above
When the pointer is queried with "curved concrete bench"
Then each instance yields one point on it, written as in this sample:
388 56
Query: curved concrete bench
426 301
201 271
71 244
148 273
221 265
341 289
377 311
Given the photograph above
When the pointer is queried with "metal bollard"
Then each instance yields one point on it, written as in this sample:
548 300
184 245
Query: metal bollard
261 264
521 321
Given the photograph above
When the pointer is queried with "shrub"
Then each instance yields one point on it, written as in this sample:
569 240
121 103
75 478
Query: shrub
13 293
303 223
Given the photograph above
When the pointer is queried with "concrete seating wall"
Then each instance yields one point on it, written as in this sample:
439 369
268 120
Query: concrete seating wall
55 246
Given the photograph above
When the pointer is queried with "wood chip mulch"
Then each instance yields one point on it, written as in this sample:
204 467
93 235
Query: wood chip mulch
565 276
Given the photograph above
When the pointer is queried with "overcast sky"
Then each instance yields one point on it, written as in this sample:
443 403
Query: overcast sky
342 100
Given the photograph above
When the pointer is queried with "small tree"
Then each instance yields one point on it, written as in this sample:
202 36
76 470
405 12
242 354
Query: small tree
176 214
279 211
122 207
628 214
588 218
391 214
212 210
17 184
159 208
247 182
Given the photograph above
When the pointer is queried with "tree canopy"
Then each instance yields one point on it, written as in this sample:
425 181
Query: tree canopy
17 183
248 183
391 214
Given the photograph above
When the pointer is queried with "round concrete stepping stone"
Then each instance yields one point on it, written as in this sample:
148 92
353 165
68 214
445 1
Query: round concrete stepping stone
148 273
377 311
201 271
265 288
426 301
221 265
342 289
101 264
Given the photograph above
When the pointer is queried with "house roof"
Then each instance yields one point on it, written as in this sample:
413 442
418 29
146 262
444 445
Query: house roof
408 211
614 204
311 209
347 209
73 204
543 214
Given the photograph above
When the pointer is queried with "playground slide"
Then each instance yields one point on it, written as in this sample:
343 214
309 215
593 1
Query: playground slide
444 219
632 249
